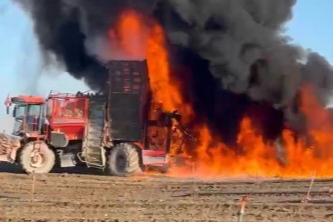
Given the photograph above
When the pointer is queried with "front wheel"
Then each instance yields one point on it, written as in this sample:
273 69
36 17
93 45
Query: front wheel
124 160
37 157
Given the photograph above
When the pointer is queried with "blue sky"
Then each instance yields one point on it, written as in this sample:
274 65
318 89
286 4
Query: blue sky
311 27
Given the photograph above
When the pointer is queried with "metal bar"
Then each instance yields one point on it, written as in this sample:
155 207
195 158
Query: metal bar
311 184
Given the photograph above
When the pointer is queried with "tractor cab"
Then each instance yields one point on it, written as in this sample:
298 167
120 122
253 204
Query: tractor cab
29 116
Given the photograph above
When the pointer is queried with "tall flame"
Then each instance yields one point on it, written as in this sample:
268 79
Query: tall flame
139 37
292 159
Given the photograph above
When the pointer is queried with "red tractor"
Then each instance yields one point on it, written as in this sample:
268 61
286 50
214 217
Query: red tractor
116 130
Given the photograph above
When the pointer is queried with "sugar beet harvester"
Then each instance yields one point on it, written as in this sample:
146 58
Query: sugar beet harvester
109 131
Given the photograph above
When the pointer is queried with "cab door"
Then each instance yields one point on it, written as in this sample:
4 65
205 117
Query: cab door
34 119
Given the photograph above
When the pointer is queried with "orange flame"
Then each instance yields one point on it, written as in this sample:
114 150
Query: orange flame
294 159
139 37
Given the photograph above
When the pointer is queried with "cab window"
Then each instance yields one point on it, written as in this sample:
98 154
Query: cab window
19 111
34 110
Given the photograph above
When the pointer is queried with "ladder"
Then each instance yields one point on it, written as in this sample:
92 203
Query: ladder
93 150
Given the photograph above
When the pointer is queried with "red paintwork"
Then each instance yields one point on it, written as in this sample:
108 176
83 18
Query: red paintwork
28 99
64 114
68 113
154 153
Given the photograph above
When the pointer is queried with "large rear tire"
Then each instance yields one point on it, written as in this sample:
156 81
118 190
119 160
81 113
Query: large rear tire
124 160
39 161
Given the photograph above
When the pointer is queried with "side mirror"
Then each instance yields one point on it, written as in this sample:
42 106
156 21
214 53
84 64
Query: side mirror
7 110
14 112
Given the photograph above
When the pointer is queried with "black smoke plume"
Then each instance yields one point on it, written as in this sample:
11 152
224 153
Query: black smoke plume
240 59
72 31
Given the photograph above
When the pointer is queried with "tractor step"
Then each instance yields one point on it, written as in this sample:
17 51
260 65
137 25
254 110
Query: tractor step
93 150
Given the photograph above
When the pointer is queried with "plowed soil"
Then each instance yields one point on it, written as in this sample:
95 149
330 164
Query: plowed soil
77 197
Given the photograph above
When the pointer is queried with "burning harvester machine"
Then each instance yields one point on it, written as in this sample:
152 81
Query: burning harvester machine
116 130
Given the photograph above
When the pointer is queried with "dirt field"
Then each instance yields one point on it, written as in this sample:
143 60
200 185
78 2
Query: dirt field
73 197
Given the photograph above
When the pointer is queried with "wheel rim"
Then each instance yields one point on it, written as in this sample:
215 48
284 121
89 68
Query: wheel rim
121 163
37 159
